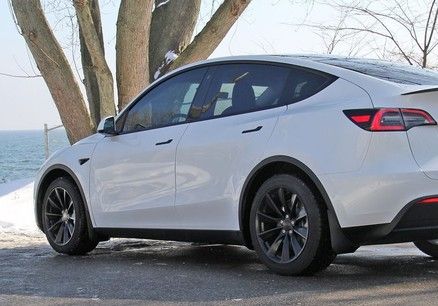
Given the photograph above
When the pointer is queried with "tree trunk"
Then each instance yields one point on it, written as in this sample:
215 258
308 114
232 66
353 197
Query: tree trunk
212 34
172 27
132 45
54 68
99 66
90 80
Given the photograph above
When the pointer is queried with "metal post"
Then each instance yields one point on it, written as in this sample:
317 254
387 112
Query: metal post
46 138
46 141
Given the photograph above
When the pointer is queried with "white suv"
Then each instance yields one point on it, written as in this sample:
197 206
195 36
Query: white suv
298 157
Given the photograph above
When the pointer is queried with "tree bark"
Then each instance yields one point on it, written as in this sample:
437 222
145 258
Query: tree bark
212 34
99 66
172 27
132 45
90 79
54 68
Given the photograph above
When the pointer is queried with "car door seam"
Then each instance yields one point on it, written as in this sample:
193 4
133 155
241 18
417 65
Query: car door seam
174 165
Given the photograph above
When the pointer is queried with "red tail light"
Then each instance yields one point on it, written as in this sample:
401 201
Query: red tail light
429 201
389 119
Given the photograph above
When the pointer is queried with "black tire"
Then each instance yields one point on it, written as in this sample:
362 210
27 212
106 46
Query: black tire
315 254
73 231
428 247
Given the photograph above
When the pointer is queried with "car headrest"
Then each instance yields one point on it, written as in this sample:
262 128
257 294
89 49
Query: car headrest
243 97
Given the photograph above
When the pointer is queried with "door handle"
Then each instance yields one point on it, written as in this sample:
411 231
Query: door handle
253 130
164 142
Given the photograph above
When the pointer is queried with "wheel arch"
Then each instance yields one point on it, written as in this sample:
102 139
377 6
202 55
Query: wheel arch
286 164
52 173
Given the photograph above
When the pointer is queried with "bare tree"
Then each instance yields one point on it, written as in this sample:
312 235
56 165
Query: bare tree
333 35
153 37
54 68
401 29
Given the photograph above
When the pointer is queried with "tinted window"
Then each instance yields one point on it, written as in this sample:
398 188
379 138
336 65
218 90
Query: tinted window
240 88
166 104
304 83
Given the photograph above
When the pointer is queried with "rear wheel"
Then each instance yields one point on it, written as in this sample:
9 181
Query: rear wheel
429 247
289 228
64 220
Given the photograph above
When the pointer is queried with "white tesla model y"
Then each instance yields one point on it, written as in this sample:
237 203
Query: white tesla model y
298 157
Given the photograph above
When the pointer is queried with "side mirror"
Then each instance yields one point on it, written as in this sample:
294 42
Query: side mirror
107 126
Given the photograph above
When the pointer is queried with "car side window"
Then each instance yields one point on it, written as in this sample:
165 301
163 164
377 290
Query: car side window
166 104
304 83
241 88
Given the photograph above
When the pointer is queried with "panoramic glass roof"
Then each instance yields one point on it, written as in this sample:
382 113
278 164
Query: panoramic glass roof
385 70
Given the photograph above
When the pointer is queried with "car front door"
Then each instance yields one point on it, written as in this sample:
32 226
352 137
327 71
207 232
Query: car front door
218 151
132 178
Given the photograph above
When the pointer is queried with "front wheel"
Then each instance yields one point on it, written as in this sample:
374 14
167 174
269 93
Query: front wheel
289 228
429 247
64 221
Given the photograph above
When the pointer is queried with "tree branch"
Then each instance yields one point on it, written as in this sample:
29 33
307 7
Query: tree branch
165 36
433 29
132 45
21 76
90 78
211 35
54 68
104 78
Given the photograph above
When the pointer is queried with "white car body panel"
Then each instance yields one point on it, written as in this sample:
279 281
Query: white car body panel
213 161
196 181
69 158
133 179
296 133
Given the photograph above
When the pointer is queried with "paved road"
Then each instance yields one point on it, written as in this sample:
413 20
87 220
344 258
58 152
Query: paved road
132 272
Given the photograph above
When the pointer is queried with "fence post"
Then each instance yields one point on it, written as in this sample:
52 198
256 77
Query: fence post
46 137
46 141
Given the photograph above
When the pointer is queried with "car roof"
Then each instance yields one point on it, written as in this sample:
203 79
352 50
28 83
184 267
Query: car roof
282 59
400 73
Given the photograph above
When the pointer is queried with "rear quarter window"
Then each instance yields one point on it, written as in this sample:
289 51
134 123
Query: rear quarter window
304 83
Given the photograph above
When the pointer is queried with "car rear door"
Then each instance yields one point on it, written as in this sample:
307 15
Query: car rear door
218 151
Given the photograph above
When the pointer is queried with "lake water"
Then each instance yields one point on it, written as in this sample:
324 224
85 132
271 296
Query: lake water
22 152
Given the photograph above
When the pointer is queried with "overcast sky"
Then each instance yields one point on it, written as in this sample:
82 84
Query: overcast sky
265 27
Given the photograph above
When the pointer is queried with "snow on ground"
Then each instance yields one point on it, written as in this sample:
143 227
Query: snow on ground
16 208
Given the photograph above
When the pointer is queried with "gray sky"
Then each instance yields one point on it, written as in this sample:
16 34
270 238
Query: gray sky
265 27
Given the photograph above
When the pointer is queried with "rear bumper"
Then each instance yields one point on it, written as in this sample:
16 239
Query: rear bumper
414 222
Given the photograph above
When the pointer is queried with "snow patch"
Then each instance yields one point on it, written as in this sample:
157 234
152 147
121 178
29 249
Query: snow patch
161 4
169 57
16 207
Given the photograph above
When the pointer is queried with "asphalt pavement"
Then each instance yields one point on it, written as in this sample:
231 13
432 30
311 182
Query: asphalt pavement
137 272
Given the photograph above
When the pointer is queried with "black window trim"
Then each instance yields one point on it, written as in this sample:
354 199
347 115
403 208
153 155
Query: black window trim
203 90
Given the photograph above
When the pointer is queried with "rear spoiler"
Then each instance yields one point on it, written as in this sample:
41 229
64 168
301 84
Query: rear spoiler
421 89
